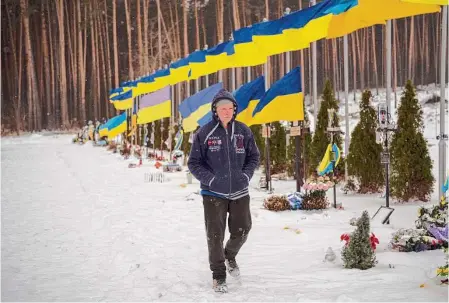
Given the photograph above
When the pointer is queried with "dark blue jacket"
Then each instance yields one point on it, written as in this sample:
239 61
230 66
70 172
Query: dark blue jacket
224 160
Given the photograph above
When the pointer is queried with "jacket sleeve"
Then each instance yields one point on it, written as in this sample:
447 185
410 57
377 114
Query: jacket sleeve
252 156
197 163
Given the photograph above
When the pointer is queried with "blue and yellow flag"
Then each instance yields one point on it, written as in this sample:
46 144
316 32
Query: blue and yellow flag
370 12
282 102
326 165
155 106
117 125
196 106
247 97
103 129
179 71
124 100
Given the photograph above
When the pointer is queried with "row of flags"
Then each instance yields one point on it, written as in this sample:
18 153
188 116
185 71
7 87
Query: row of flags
252 45
284 101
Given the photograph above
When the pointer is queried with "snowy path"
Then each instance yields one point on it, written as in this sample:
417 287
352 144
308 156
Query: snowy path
79 225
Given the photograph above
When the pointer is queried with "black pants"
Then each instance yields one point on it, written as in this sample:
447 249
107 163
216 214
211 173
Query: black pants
239 221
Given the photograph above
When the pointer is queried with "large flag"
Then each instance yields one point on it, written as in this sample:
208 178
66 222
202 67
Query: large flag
370 12
283 101
247 97
123 101
196 106
117 125
155 106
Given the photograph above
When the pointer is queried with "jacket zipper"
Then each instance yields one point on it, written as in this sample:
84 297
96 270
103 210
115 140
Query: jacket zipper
229 161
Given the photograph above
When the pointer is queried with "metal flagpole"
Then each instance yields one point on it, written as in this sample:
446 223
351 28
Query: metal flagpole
443 135
220 72
314 79
267 130
346 76
389 111
206 77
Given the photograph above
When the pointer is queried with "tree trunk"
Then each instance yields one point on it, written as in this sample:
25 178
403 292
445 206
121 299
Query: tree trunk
114 43
139 38
53 116
62 62
197 26
81 69
72 72
31 78
16 84
185 16
109 107
130 49
410 48
145 37
94 74
102 57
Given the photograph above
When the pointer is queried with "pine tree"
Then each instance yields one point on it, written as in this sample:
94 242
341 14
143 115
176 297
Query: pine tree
411 166
321 139
364 152
278 157
358 253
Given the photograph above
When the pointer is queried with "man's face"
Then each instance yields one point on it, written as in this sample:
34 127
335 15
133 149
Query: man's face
225 112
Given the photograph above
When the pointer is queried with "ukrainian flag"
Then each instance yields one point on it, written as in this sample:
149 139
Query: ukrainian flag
123 101
245 52
371 12
218 57
312 24
326 165
198 65
196 106
155 106
179 71
117 91
437 2
291 32
117 125
161 78
103 129
247 97
282 102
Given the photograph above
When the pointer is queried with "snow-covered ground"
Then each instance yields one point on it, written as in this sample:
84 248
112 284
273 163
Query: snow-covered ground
79 225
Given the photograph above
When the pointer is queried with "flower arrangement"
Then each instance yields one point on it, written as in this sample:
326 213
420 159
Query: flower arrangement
277 203
315 196
318 184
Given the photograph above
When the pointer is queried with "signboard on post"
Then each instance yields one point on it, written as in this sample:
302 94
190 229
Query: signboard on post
295 131
266 131
385 158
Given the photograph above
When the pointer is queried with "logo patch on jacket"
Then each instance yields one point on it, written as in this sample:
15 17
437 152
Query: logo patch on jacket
239 143
214 144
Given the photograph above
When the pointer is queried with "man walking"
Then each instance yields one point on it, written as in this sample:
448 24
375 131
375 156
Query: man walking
223 158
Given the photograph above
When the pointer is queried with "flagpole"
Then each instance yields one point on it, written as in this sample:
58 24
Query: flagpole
388 91
206 77
220 72
232 75
346 76
314 79
287 69
442 136
267 127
